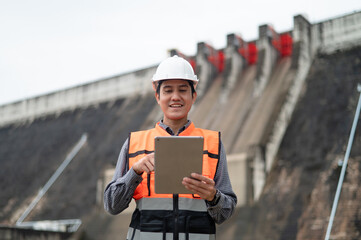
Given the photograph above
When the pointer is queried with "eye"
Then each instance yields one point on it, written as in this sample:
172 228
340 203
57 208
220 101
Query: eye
167 90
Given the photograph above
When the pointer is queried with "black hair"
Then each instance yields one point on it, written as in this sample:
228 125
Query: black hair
189 82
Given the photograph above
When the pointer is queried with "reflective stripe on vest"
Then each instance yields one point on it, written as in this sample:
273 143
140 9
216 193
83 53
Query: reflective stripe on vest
135 234
190 204
142 143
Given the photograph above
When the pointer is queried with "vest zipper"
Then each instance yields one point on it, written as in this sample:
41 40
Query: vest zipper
175 215
133 234
148 183
188 220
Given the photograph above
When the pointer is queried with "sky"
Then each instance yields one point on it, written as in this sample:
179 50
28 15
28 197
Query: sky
49 45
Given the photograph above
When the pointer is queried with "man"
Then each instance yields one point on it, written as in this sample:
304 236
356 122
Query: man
172 216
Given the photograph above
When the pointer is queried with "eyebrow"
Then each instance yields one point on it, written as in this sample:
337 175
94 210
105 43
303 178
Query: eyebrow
182 85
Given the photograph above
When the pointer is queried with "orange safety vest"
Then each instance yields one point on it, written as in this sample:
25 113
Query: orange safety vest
142 143
171 216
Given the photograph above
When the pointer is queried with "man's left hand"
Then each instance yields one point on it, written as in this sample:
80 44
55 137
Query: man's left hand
200 185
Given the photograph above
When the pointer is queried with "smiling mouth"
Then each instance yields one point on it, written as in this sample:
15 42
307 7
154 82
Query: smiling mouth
176 105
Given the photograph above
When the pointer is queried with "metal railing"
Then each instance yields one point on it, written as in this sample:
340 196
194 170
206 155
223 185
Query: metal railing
344 166
66 225
46 187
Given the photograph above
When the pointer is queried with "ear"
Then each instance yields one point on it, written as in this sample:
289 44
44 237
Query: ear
156 95
194 97
154 86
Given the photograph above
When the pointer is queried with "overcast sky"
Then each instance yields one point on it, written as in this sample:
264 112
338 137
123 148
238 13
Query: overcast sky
48 45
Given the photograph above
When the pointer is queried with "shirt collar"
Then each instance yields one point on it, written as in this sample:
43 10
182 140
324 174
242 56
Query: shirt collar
170 131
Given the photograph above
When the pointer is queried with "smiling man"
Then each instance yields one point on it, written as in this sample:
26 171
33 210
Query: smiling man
172 216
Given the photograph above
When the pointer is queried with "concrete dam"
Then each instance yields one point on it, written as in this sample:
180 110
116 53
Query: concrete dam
284 104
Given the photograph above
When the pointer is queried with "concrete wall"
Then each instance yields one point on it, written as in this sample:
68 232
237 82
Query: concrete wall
338 33
239 176
138 82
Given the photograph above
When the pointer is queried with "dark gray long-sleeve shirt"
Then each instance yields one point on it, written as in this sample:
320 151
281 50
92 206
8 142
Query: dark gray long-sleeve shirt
120 190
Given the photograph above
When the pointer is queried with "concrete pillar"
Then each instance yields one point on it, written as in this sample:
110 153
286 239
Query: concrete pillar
205 70
267 57
258 174
301 62
234 64
302 38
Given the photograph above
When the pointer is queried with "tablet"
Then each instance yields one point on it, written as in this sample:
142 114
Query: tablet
176 157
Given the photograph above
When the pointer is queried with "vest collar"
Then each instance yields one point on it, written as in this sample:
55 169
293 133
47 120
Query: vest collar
185 132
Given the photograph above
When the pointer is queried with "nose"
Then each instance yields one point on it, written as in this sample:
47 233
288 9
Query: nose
175 96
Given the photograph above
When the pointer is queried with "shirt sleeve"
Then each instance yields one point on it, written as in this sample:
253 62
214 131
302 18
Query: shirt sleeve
120 190
224 208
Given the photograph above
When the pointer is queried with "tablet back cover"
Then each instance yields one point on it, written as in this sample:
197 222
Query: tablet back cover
176 157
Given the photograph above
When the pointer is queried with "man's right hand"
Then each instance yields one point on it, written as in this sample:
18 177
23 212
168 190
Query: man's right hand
145 164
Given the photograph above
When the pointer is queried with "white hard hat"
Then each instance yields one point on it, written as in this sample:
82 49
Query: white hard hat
175 68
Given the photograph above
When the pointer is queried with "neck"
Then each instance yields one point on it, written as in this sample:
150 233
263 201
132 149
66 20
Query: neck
175 125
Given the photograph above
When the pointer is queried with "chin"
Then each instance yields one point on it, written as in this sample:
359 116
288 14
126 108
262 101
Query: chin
176 117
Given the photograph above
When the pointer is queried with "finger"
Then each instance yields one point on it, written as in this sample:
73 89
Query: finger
190 181
194 181
149 166
198 190
193 188
151 155
198 176
198 186
150 158
205 194
202 178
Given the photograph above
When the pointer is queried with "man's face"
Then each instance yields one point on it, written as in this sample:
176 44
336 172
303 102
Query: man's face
175 99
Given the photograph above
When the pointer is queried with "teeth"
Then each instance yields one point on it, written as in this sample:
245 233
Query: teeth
176 105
